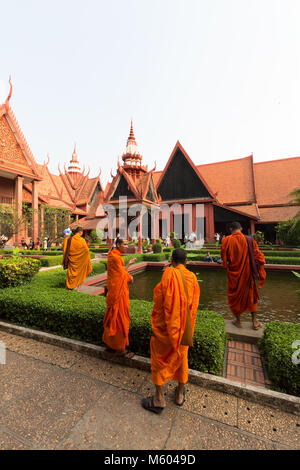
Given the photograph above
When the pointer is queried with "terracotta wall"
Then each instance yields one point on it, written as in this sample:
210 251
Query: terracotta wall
6 189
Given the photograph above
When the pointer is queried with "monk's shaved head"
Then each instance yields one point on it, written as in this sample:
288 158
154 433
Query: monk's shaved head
119 241
179 256
77 230
235 226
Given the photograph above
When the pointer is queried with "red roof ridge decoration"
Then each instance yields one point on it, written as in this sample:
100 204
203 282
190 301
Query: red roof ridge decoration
277 160
178 145
226 161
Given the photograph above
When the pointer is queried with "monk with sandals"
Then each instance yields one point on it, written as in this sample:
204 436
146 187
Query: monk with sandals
245 265
116 321
176 300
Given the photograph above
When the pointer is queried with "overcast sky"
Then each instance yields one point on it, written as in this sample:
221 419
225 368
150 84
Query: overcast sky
220 76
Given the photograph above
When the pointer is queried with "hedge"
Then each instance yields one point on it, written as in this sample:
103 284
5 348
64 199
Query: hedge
281 260
276 345
16 271
47 306
99 250
156 256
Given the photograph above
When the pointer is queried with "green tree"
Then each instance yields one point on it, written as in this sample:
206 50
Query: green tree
11 222
296 200
289 232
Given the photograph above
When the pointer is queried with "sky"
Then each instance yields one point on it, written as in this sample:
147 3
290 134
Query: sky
220 76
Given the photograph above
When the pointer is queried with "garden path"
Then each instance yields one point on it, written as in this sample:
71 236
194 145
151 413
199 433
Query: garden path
54 398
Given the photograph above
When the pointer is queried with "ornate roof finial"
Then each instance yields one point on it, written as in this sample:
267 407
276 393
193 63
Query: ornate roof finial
131 147
74 166
10 92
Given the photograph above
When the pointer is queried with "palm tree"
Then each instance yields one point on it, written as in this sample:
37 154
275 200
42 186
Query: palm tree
296 200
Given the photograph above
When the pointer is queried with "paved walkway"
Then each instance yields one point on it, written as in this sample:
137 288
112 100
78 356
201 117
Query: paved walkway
53 398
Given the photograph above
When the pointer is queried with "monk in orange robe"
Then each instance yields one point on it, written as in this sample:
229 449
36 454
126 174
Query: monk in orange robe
116 320
176 300
244 264
77 259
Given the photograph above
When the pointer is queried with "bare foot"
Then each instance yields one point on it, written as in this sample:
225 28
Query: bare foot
257 325
237 323
160 402
127 354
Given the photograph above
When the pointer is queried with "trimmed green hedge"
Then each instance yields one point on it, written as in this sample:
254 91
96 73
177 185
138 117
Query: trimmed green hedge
155 256
276 346
48 261
281 260
99 250
47 306
16 271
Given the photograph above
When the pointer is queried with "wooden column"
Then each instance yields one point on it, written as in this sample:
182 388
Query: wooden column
42 223
210 223
252 227
18 196
140 236
171 222
194 218
35 208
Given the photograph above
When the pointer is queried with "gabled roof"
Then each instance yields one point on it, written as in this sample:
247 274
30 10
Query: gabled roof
231 180
116 180
276 179
190 162
15 154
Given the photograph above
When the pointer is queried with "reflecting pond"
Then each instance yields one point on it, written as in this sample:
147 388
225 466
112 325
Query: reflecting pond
279 299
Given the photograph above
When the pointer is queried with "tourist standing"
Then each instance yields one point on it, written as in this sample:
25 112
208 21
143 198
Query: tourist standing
76 259
49 244
245 264
116 320
176 300
217 237
45 244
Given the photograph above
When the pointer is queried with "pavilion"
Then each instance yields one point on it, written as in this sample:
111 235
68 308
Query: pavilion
255 194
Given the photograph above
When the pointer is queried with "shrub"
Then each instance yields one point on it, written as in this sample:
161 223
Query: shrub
282 260
155 257
45 305
276 346
259 237
17 271
288 232
48 261
176 243
157 247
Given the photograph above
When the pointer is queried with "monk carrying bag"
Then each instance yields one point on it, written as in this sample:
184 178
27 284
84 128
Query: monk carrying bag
66 257
187 337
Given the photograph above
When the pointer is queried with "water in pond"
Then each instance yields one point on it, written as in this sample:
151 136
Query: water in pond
278 298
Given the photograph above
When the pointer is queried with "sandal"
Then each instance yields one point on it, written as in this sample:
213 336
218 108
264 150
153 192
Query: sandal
148 404
257 326
179 404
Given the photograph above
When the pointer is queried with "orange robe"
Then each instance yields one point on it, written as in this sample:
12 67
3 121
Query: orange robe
169 359
116 320
242 292
80 265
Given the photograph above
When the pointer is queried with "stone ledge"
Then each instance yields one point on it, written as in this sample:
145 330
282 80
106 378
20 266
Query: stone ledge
277 400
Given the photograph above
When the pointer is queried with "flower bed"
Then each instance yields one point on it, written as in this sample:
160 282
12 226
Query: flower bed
46 305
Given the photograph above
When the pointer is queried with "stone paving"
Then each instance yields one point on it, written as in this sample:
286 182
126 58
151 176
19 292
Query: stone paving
54 398
244 364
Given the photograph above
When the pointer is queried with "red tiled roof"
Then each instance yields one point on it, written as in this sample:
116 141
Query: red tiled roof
250 209
232 180
277 214
276 179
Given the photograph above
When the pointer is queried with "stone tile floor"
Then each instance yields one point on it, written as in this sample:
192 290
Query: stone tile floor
244 364
52 398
